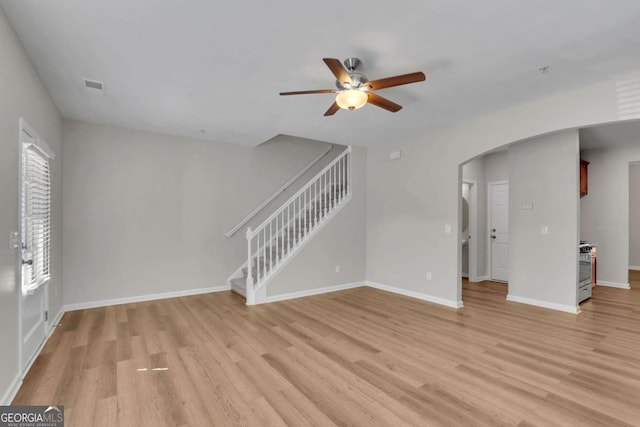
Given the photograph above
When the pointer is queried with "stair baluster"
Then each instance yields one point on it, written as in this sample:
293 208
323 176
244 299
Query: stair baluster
288 229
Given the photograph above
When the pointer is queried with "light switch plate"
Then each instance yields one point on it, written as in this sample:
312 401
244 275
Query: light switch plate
395 155
14 242
527 206
447 228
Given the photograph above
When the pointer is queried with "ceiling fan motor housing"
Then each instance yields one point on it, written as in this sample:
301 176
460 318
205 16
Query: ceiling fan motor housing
358 79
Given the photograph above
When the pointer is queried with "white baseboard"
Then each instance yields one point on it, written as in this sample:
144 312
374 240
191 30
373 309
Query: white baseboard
316 291
634 267
142 298
55 321
380 286
12 390
544 304
465 275
479 279
613 284
417 295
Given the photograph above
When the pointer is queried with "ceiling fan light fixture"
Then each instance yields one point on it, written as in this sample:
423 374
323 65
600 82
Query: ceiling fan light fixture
351 99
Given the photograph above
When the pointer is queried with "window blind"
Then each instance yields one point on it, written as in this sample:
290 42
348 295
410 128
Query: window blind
36 217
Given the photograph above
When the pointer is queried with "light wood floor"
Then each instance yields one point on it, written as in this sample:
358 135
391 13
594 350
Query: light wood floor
360 357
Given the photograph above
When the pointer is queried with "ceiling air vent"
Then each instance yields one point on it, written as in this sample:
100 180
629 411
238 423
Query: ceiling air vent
94 86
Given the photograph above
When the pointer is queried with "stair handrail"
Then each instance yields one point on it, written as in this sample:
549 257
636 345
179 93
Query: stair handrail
252 233
344 177
276 193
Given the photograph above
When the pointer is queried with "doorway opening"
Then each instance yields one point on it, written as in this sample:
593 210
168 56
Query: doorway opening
483 207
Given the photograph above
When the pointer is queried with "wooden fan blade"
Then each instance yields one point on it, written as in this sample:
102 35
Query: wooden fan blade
307 92
397 80
332 110
338 70
381 102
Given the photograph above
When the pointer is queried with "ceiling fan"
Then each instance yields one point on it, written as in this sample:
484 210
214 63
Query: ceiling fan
355 90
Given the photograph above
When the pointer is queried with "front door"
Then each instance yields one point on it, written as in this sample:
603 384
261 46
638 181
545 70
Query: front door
499 230
35 217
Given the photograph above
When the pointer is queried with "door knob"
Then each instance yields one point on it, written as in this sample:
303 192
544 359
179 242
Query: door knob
493 237
30 262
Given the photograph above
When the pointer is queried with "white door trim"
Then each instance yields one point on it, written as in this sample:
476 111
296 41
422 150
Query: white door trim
489 213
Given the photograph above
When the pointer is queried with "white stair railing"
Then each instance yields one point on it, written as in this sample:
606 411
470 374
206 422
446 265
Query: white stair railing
275 241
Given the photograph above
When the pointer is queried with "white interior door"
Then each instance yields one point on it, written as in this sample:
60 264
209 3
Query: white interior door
499 230
35 232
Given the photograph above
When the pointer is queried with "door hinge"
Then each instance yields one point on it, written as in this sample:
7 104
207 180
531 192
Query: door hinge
46 315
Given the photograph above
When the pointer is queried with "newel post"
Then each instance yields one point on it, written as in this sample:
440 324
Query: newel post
251 298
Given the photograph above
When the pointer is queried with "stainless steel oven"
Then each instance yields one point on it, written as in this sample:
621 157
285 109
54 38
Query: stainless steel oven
584 272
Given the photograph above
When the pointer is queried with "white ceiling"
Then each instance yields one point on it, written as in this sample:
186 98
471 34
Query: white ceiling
177 67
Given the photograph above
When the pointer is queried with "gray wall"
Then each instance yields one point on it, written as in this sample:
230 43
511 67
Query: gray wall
496 166
544 171
146 213
634 215
22 95
605 210
342 242
410 201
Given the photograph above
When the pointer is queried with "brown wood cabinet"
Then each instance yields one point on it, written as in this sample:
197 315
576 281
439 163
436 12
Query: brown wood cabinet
584 181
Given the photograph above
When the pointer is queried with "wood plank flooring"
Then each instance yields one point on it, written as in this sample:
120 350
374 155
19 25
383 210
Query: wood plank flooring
361 357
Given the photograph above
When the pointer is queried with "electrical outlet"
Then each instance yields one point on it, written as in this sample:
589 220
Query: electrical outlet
337 268
544 229
429 277
447 228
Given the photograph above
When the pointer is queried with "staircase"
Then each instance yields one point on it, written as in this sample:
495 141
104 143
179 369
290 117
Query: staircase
272 245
